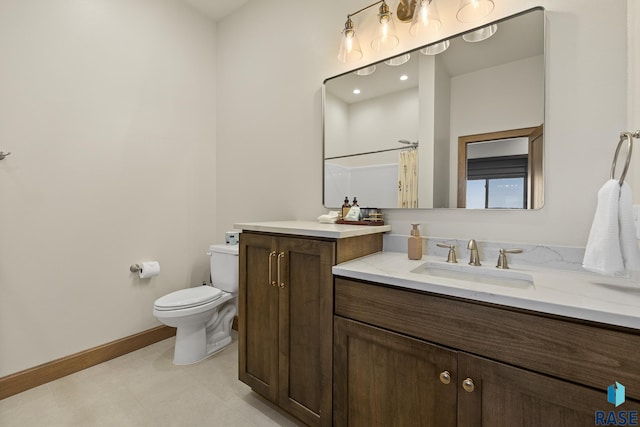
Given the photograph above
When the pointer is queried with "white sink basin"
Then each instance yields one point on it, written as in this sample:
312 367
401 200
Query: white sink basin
473 274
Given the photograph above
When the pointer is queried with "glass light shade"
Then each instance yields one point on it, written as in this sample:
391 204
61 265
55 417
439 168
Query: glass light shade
435 49
349 50
473 10
385 37
398 60
480 34
425 18
365 71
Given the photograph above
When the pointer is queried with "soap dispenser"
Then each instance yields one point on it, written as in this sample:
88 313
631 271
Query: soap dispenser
345 207
415 243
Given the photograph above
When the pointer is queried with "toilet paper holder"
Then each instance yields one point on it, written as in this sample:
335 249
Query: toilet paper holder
135 268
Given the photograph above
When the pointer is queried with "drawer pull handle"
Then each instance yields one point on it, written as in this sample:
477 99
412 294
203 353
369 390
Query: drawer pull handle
272 282
280 282
468 385
445 377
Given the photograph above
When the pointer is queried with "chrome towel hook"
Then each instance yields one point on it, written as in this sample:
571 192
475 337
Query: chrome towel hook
3 155
628 136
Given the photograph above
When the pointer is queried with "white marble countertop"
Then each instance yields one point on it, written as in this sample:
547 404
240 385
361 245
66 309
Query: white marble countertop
581 295
312 228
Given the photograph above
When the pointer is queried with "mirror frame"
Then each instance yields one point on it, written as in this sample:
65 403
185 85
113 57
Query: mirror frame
537 182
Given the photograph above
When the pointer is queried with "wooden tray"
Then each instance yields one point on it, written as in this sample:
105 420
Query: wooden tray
372 223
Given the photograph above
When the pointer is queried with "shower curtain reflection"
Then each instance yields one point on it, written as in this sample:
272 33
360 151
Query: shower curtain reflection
408 179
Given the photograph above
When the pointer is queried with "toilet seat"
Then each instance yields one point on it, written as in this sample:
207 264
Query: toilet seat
187 298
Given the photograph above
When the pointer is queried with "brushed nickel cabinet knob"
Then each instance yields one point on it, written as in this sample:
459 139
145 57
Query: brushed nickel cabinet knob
445 377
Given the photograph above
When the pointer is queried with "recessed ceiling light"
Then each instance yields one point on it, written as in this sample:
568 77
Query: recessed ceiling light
404 77
356 91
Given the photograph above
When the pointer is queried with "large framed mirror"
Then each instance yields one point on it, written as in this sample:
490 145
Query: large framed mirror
392 132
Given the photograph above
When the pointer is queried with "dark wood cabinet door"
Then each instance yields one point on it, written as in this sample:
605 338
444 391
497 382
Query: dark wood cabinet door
258 314
505 396
305 319
386 379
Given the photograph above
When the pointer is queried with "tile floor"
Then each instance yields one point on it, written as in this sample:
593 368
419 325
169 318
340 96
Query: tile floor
145 388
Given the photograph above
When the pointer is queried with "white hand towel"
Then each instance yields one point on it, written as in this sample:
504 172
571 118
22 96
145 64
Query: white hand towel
612 248
628 242
329 218
603 253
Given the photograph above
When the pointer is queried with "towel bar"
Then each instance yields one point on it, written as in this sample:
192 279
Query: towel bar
628 136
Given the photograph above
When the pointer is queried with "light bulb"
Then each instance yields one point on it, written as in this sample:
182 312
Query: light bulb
425 18
385 38
349 46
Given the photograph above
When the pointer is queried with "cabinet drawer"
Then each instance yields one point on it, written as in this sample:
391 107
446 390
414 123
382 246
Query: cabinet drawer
583 352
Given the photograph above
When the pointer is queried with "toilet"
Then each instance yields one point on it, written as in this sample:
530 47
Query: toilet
203 315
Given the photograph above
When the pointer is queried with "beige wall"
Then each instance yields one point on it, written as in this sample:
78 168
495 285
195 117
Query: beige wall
108 109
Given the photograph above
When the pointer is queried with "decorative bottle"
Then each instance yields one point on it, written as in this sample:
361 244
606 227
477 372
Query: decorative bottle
355 203
345 207
415 243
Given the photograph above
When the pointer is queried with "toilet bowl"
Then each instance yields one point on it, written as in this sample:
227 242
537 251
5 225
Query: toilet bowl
203 315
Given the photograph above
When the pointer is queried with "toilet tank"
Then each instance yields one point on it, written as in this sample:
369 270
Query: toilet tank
224 267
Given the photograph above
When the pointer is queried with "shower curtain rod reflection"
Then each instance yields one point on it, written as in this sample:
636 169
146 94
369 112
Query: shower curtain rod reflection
412 146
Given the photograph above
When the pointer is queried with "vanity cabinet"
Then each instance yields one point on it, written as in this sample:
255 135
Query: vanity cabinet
285 322
386 379
408 358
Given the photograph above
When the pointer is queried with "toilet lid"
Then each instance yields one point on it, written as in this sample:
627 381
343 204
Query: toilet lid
185 298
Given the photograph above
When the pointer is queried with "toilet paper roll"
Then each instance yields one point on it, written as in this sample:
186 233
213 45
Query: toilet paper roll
149 269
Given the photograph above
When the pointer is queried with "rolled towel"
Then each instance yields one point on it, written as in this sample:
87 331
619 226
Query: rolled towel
328 218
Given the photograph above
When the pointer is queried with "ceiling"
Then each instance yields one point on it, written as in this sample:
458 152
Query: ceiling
216 9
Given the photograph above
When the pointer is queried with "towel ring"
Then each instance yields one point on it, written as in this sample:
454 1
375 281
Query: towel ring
629 137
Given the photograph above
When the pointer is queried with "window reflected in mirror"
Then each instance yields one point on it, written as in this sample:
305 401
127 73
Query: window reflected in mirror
501 170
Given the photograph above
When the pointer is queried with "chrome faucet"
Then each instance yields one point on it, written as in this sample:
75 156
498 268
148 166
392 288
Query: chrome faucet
475 256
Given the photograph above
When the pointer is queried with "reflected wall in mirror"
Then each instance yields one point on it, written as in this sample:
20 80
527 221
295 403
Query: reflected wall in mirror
391 132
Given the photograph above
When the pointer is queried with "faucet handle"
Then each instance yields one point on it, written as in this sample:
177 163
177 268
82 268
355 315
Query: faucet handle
502 257
451 257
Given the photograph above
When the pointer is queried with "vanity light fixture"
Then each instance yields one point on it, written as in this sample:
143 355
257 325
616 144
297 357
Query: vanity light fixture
349 46
424 18
356 91
404 77
473 10
385 38
480 34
